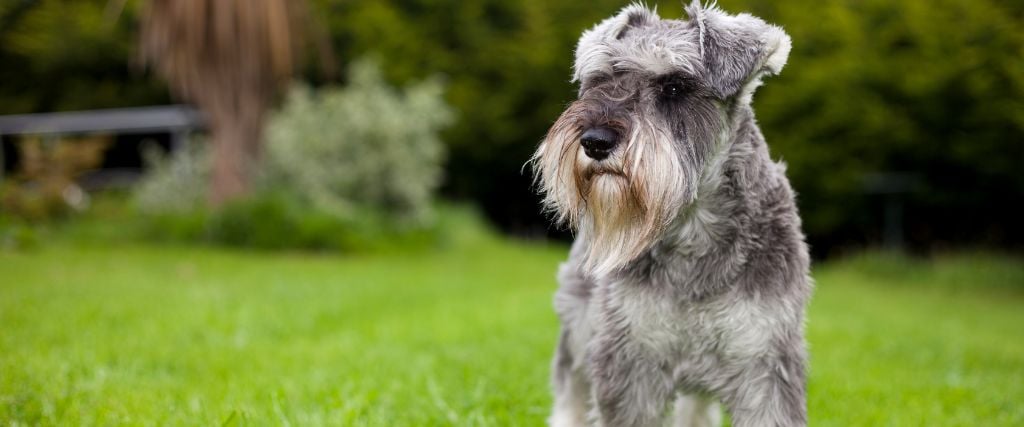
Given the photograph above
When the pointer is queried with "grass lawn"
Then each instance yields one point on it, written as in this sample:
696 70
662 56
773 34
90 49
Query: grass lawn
123 333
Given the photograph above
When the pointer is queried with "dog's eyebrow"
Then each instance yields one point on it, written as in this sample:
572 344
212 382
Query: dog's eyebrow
687 80
674 77
595 79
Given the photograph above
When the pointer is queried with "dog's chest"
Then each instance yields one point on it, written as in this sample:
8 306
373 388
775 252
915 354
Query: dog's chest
659 322
723 328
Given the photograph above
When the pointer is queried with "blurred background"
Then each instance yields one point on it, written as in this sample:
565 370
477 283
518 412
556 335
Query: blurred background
230 175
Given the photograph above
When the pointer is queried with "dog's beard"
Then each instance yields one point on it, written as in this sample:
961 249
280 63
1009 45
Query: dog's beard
621 205
614 226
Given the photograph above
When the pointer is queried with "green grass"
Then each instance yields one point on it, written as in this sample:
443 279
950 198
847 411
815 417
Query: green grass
122 333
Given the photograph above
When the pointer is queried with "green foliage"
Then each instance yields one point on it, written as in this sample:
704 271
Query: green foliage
935 88
96 333
347 169
44 188
276 221
174 227
70 55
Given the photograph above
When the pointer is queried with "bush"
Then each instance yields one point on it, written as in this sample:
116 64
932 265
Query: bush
276 221
44 188
175 183
917 86
364 145
345 168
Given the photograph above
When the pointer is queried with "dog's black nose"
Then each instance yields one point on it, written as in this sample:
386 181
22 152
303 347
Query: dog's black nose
598 142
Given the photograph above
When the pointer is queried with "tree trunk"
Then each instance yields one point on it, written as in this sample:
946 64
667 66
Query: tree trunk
236 152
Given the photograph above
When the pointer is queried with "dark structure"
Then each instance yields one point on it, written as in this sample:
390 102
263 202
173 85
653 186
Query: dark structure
171 123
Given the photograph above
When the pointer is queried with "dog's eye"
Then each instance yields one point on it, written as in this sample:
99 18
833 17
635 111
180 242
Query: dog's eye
672 90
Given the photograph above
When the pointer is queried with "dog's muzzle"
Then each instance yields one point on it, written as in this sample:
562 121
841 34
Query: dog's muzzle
598 142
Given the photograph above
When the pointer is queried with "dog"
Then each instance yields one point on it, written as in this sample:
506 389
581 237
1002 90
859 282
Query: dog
685 288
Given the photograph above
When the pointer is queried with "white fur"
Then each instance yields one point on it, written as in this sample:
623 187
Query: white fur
777 45
600 52
696 411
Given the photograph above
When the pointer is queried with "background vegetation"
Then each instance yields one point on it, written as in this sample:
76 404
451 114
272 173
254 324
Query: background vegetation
933 90
343 168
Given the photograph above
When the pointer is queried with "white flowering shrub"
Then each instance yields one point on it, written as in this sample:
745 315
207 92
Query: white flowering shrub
343 169
342 152
365 145
174 183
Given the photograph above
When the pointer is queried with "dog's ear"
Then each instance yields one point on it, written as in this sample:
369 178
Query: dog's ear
737 50
592 48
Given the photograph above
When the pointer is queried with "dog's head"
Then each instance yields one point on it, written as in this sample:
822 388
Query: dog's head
655 98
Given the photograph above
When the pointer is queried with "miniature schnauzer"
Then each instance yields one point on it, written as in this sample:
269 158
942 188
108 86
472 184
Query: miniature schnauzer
687 282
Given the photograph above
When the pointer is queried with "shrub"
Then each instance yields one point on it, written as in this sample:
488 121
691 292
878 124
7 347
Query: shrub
44 187
344 169
278 221
364 145
176 183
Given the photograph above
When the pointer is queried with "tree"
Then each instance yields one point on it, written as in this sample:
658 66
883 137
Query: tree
231 58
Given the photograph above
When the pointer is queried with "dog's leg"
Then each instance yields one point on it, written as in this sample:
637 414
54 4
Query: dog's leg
773 394
571 390
629 389
696 411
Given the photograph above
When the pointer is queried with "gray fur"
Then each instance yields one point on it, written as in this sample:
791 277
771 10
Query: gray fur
702 298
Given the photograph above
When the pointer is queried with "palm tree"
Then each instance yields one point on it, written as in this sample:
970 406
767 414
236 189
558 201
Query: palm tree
231 58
